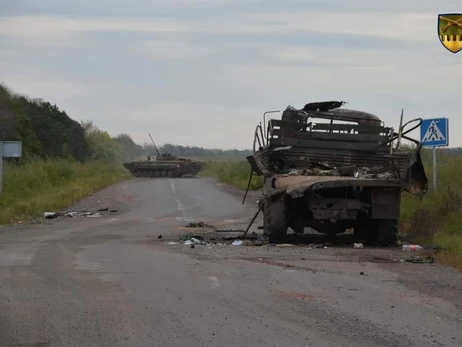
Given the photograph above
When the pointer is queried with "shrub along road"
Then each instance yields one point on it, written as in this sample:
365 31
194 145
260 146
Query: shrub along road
111 281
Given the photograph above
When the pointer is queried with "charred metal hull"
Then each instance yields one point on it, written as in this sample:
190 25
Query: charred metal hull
164 168
299 186
333 170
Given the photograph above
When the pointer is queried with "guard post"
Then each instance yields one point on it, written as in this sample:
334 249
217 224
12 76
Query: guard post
434 132
8 149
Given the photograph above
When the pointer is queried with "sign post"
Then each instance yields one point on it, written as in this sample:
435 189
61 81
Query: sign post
8 149
434 132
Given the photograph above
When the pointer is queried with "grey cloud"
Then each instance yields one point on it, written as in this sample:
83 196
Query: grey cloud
131 74
202 9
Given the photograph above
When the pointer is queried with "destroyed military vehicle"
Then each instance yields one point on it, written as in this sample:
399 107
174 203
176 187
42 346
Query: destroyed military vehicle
333 169
164 165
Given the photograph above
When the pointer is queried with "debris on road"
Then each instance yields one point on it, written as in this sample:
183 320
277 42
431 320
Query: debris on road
237 243
198 225
358 245
82 213
320 245
91 214
412 248
421 260
50 215
194 241
160 236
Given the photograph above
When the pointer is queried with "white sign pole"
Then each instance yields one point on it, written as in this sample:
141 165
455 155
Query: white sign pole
8 149
434 169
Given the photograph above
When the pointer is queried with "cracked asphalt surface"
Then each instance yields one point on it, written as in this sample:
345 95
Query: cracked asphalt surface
111 281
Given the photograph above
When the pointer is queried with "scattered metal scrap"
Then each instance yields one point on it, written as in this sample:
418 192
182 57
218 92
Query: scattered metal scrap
82 213
198 225
421 260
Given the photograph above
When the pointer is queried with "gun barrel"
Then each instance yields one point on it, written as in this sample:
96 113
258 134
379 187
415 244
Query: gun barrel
158 153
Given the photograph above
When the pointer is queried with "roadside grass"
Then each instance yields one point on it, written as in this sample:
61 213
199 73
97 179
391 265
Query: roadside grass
436 219
232 172
37 186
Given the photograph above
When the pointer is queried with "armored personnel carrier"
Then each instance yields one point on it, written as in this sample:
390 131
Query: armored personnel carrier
164 165
333 169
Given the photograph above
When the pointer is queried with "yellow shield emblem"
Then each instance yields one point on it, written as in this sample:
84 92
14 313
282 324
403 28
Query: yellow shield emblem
450 31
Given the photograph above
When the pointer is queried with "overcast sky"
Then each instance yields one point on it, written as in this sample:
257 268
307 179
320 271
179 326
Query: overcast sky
202 72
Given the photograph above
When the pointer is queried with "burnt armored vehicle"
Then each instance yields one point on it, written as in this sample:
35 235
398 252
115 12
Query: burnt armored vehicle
333 169
164 165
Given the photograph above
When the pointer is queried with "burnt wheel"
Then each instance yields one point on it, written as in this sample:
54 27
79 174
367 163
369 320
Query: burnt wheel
379 232
275 220
387 232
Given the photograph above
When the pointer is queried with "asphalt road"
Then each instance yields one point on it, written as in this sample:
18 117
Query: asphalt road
111 281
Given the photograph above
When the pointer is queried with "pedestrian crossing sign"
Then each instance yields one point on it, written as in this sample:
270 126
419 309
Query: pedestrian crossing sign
434 132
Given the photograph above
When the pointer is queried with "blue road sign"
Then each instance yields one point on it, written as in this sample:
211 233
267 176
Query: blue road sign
434 132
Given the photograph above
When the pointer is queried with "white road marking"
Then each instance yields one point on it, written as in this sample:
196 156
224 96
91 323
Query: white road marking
214 282
179 206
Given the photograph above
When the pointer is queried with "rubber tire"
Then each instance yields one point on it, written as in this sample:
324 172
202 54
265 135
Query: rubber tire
378 232
387 232
275 220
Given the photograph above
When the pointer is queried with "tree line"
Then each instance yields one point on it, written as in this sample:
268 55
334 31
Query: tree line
48 132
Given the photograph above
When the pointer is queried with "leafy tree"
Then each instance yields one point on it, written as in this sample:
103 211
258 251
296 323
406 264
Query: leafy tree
101 146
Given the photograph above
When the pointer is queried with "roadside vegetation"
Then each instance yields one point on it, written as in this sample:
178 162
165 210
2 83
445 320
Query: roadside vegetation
39 186
64 160
232 172
436 219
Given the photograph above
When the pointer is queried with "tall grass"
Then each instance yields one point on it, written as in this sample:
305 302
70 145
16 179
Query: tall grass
233 172
436 219
37 186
